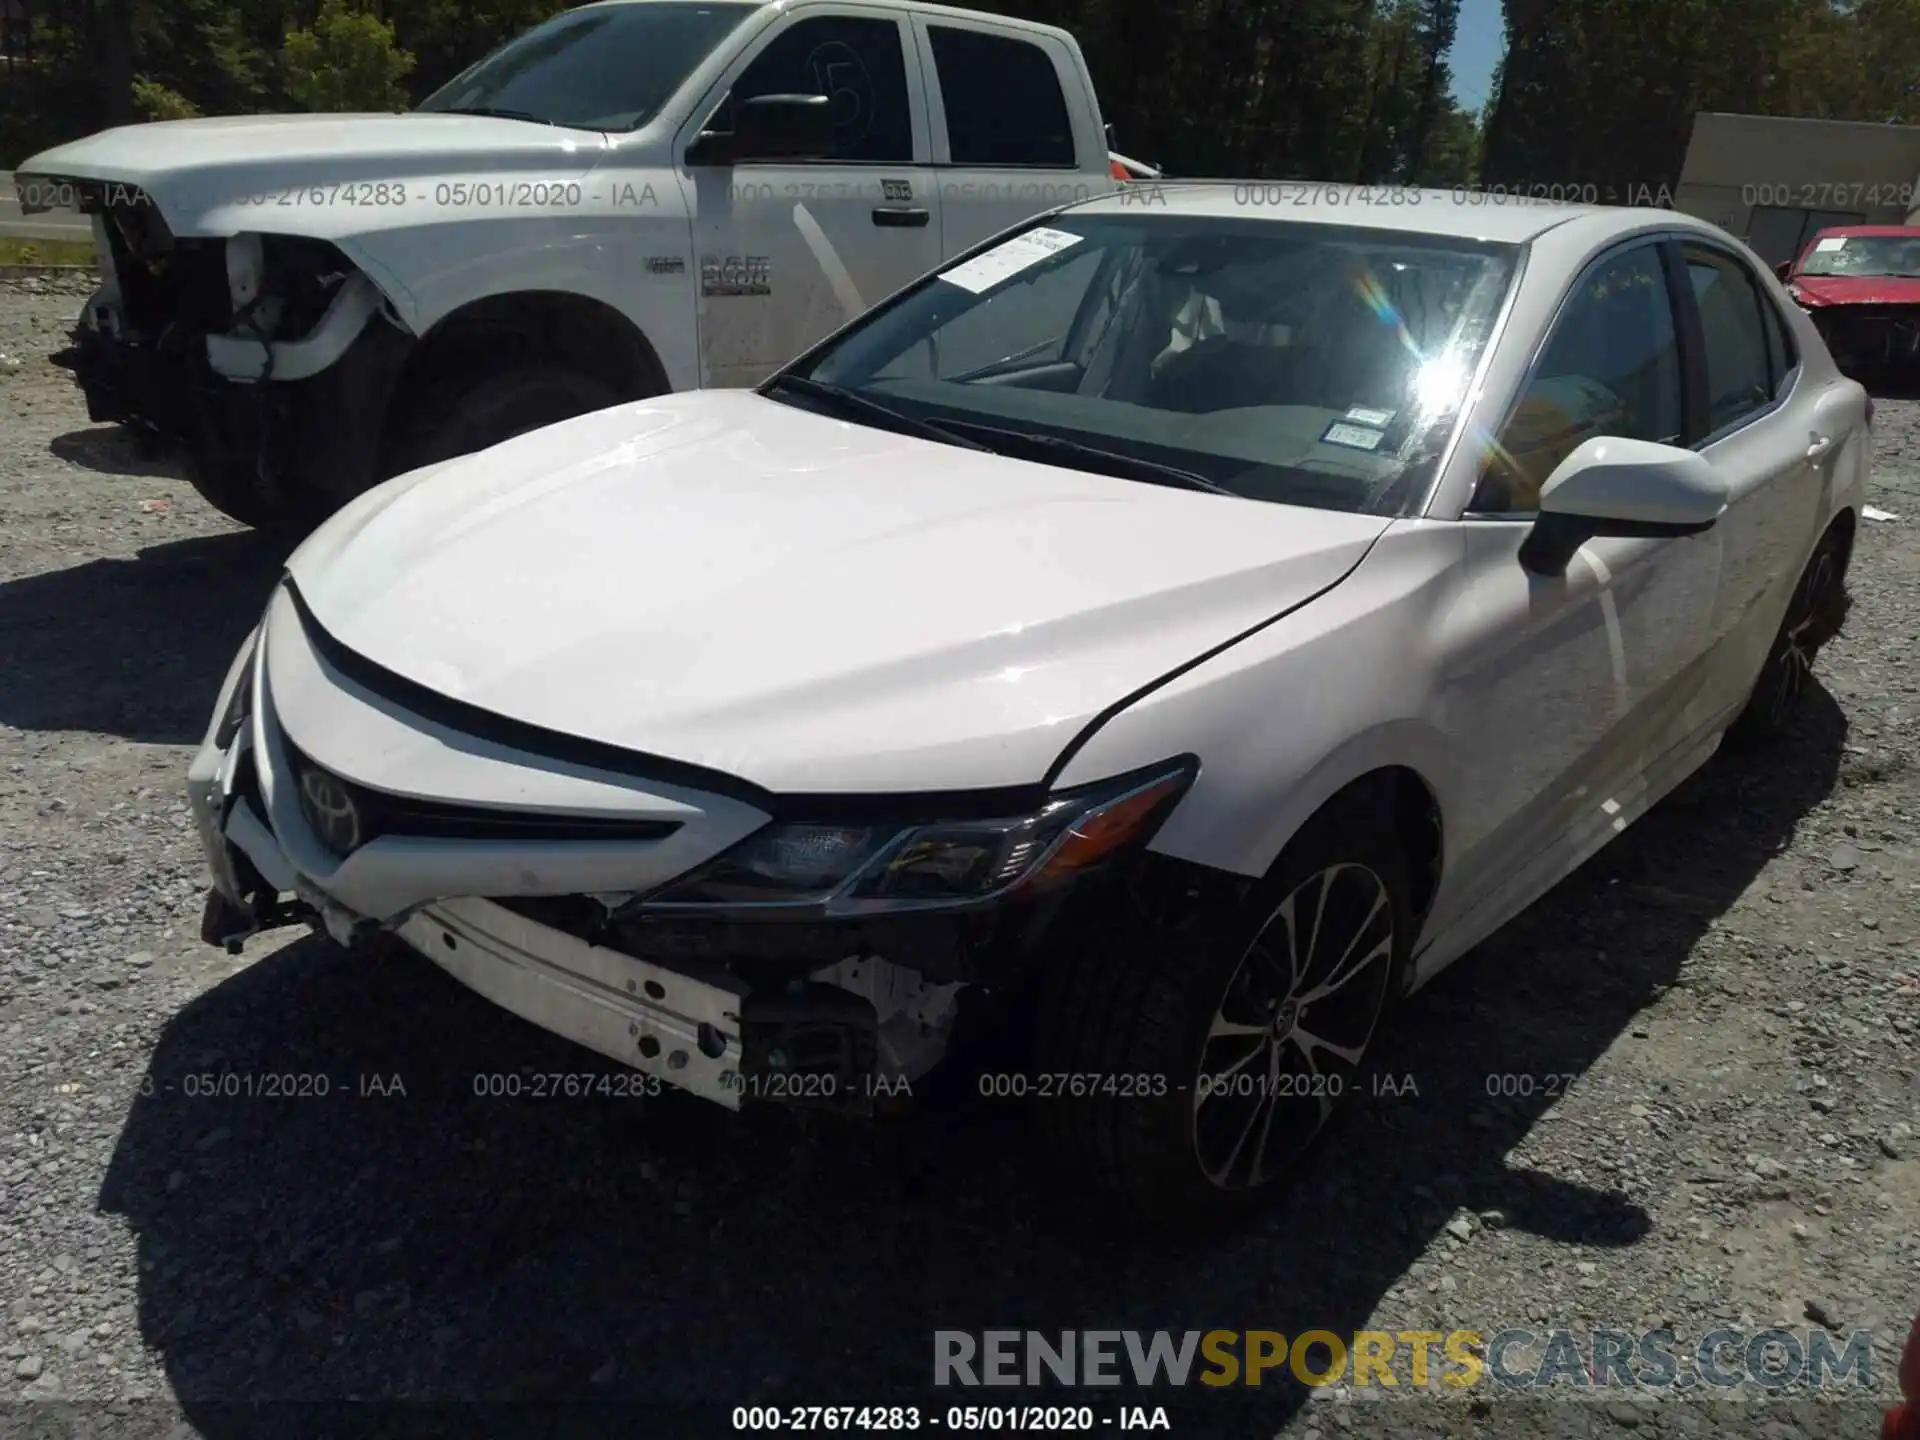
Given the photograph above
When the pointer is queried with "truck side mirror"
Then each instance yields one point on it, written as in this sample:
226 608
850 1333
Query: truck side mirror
769 127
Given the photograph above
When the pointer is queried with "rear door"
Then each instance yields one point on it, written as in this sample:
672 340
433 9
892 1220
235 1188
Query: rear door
790 251
1012 136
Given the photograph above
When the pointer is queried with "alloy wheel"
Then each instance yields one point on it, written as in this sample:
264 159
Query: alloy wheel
1292 1029
1797 645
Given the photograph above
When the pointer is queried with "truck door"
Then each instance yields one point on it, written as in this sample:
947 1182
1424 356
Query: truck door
1013 131
786 252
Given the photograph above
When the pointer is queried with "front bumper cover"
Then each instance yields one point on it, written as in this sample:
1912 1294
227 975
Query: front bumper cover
698 1025
706 1004
167 392
698 1032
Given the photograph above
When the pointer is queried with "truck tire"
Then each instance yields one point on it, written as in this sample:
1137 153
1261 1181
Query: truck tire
474 415
235 491
1143 1020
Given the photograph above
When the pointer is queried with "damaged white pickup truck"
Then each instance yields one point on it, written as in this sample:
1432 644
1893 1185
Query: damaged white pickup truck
634 197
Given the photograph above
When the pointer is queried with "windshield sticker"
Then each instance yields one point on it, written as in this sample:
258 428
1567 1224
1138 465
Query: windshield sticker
1379 419
1356 437
1832 242
1006 260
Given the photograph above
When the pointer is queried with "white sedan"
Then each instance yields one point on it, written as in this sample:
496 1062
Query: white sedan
1181 627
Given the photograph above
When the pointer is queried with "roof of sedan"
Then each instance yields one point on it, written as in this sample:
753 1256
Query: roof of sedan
1464 214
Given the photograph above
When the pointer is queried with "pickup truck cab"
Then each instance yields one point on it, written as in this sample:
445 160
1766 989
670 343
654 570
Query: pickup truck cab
634 197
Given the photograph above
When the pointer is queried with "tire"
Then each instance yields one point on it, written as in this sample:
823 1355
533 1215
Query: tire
1814 616
235 491
1151 1010
477 414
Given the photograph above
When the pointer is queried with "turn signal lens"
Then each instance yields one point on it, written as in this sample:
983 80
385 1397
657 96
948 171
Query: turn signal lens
1096 836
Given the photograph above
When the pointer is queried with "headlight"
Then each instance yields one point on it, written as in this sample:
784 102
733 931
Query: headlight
849 870
240 702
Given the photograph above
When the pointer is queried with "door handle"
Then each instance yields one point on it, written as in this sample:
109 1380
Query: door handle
900 216
1821 444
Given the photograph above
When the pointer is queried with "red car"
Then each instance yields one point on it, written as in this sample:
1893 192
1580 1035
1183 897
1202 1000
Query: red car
1861 285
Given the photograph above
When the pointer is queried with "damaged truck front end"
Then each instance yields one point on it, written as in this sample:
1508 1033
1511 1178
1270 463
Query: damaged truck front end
240 353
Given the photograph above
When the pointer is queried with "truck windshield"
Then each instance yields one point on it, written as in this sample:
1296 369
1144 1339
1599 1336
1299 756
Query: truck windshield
1301 363
1864 255
602 67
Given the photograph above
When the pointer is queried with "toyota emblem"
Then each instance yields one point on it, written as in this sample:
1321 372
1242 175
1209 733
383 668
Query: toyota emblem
331 811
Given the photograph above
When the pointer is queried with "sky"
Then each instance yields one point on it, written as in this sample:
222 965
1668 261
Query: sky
1476 51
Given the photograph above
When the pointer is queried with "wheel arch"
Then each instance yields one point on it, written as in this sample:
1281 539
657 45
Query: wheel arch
1393 769
1406 805
1846 525
494 332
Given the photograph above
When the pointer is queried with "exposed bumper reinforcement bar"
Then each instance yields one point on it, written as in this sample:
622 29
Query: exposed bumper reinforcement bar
693 1025
683 1029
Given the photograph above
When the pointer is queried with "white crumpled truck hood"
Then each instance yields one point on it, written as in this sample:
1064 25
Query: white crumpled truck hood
215 175
813 606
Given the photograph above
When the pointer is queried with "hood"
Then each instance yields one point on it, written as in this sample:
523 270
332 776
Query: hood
811 605
191 167
1855 289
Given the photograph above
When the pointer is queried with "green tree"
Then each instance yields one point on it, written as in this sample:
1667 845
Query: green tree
347 61
154 101
1439 24
1451 155
446 36
1604 91
199 50
1590 91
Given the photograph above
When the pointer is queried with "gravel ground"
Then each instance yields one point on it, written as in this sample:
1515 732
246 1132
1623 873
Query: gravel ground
1734 987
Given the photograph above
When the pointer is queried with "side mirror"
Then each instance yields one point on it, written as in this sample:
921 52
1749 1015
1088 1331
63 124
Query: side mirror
1784 270
769 127
1614 486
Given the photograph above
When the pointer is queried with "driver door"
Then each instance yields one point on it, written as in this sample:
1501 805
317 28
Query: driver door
790 250
1570 690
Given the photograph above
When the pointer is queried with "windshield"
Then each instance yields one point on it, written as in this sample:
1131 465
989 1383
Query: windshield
1864 255
603 67
1306 364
